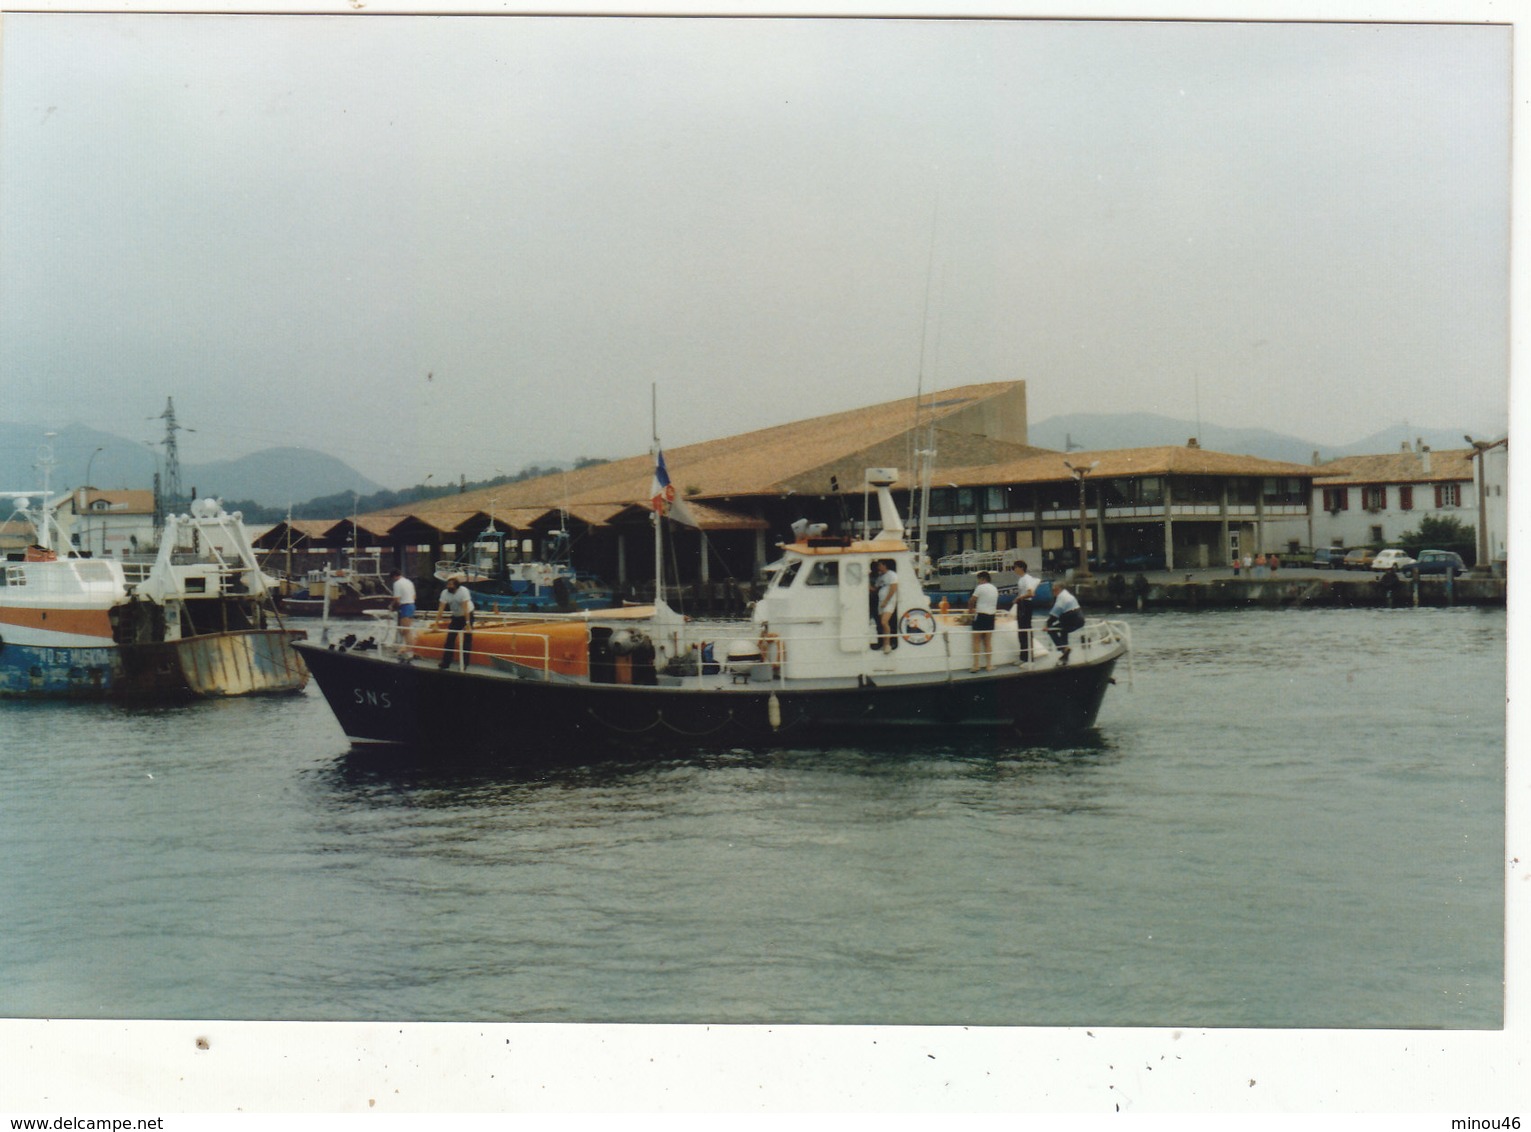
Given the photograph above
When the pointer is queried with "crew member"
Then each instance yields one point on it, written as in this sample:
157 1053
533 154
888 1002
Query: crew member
1025 595
404 603
1062 619
983 604
457 605
886 583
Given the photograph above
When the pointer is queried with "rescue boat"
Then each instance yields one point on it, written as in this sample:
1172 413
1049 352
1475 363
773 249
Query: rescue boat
808 666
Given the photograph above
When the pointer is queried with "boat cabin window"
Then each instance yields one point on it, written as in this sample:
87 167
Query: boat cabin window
824 574
788 573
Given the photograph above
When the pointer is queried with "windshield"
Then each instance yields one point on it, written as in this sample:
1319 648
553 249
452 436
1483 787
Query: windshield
786 577
824 574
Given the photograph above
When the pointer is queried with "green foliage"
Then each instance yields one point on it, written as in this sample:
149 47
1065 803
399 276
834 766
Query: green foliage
1441 533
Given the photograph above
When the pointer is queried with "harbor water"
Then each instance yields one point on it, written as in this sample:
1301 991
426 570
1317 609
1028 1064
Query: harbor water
1288 818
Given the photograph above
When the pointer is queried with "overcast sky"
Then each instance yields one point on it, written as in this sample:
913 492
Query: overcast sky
453 246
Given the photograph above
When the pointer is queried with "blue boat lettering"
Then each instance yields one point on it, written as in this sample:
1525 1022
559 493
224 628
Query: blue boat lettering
371 698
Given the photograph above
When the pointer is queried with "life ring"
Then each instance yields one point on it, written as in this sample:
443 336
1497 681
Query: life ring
917 626
773 650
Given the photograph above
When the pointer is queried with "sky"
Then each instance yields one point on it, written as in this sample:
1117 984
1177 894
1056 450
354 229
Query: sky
454 246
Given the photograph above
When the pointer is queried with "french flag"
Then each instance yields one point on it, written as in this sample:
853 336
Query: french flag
662 497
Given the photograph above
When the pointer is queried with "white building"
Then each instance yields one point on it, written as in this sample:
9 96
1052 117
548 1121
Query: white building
109 523
1367 500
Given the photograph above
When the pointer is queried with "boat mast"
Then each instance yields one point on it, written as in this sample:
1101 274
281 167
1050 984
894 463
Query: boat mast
47 516
925 447
657 517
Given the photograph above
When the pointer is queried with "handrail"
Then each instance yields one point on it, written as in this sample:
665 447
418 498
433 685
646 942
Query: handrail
1096 634
533 650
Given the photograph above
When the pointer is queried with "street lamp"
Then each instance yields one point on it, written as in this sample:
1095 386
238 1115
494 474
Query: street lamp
1480 449
1083 569
88 485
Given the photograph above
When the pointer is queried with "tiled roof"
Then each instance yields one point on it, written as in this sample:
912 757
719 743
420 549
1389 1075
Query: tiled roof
1172 460
1397 467
711 516
126 501
309 528
774 461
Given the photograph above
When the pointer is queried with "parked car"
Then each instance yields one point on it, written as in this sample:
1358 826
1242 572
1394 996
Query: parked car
1391 559
1441 562
1360 558
1328 557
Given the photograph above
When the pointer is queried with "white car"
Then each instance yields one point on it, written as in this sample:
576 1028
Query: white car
1391 560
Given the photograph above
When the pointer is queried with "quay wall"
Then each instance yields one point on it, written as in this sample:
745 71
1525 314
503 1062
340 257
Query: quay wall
1226 593
1119 591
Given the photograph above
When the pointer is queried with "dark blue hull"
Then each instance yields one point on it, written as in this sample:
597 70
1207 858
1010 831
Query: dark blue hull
417 705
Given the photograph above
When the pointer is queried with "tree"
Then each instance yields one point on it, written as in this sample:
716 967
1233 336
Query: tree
1441 533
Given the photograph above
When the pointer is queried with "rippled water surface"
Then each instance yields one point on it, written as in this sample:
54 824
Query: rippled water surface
1286 818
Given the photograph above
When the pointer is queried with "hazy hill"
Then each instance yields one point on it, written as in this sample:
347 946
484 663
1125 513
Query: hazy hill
1144 430
274 477
277 476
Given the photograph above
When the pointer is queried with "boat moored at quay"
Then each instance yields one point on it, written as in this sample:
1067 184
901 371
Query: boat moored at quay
197 620
504 578
808 665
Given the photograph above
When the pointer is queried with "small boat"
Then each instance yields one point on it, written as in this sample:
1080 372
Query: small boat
196 620
808 666
502 579
349 593
955 575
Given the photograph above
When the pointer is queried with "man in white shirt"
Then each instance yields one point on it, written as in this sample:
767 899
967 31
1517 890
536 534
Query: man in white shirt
1025 595
887 604
1064 617
404 603
457 604
983 605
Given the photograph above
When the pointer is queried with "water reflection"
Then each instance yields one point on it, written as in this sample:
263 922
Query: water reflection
397 777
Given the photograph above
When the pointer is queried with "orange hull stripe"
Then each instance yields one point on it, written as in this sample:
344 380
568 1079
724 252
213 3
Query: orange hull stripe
83 622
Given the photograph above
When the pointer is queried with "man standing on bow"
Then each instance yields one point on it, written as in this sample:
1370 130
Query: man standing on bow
1025 594
457 604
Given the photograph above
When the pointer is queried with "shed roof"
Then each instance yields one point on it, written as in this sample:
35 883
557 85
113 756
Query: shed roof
976 423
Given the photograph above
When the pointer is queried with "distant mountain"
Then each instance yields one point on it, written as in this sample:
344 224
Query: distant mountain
274 477
1390 439
1147 430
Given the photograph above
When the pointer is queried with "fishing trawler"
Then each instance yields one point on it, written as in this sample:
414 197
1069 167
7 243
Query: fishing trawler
809 665
196 620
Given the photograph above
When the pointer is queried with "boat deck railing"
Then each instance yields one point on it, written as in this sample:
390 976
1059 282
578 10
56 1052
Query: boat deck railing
530 653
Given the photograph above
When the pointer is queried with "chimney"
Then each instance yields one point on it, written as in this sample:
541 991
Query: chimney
1405 447
1424 458
1315 461
1193 443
